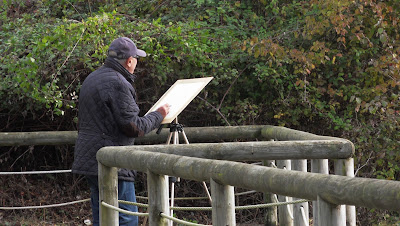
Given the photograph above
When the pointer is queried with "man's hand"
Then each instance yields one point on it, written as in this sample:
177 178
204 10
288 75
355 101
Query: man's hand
164 110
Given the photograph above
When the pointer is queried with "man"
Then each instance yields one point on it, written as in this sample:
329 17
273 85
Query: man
108 116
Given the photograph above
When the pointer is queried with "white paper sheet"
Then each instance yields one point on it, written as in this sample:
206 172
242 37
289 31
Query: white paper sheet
179 95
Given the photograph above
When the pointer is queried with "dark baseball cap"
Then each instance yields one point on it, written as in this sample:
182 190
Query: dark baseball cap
123 48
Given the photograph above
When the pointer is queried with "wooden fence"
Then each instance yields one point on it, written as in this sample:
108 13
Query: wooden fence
330 192
208 162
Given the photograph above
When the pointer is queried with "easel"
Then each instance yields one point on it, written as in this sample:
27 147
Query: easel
179 95
175 129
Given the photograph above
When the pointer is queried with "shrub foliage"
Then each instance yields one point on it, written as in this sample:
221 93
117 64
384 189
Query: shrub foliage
328 67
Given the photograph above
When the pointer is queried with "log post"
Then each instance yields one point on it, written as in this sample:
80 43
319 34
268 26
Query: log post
271 213
340 170
300 165
157 186
329 214
318 166
223 204
285 212
345 167
350 210
108 193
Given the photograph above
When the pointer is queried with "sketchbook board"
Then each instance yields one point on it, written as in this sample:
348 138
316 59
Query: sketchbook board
179 95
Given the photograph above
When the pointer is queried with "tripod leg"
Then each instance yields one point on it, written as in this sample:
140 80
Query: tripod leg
204 183
176 137
176 132
185 137
169 138
208 193
176 141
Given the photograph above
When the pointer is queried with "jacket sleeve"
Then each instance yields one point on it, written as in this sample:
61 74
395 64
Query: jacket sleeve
126 113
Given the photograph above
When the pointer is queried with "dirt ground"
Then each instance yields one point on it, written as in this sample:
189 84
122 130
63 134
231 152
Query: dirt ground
36 190
48 189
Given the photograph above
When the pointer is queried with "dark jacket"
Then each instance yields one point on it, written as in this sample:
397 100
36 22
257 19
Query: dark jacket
108 116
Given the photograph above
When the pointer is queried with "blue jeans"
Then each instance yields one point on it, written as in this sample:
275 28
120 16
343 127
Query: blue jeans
126 191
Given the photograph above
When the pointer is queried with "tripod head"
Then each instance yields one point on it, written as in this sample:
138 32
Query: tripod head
173 127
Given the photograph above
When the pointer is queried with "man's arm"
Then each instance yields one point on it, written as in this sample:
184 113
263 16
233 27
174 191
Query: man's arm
126 114
137 127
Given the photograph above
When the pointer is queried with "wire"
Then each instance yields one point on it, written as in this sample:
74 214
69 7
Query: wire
44 206
35 172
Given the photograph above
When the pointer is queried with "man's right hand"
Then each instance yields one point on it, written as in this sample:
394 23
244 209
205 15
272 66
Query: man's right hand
164 110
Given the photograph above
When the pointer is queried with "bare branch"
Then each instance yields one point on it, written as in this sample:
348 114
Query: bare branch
217 110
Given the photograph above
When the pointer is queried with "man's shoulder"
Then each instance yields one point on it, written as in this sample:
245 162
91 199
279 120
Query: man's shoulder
106 78
103 75
103 72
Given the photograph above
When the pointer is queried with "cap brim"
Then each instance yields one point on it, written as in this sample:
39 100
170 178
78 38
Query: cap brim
141 53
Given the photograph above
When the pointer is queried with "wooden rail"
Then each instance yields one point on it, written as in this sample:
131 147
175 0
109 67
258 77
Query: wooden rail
329 190
195 134
248 151
343 167
292 144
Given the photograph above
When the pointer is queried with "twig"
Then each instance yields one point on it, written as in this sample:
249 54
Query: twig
369 158
29 149
215 110
161 4
77 9
69 55
227 91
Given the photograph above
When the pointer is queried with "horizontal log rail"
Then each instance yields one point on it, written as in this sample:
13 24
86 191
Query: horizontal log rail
283 133
248 151
195 134
371 193
37 138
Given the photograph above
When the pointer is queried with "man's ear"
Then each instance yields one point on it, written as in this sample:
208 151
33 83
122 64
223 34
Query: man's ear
129 62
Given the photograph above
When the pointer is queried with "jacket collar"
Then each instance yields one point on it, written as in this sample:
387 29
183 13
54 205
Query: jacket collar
114 64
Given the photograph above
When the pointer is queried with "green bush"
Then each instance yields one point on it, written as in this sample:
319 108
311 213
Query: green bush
328 67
